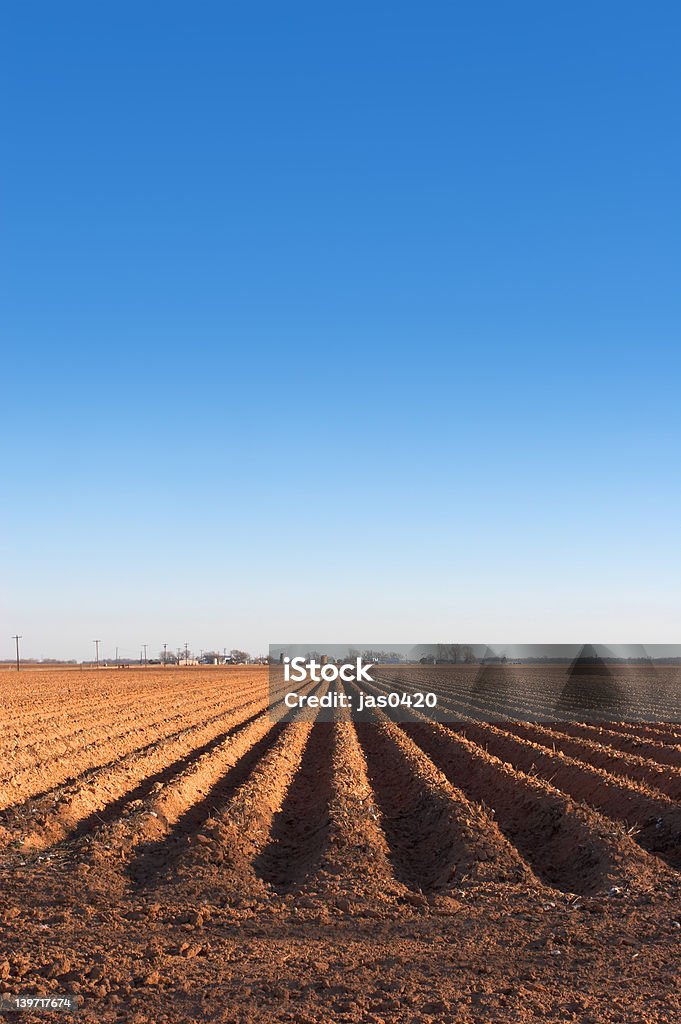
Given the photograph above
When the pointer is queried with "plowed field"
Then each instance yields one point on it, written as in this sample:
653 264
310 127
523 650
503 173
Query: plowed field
171 852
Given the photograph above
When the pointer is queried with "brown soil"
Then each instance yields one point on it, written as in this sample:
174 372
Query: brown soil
176 854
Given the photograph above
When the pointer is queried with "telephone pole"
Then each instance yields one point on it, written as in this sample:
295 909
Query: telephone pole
186 654
97 643
144 648
165 655
17 637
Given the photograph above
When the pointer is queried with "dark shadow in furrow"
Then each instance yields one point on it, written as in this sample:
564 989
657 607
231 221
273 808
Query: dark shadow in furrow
158 857
653 817
535 822
300 830
408 818
113 809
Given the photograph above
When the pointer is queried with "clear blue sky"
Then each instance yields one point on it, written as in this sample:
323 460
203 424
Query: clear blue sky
340 322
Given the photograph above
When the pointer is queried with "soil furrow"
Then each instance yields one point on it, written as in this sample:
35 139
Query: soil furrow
100 793
355 861
568 846
660 752
69 744
299 831
100 755
166 821
660 777
655 818
437 838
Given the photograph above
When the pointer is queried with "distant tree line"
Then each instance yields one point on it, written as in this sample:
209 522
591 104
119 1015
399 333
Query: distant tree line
177 657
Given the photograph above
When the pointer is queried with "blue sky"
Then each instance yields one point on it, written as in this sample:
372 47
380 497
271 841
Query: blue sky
356 322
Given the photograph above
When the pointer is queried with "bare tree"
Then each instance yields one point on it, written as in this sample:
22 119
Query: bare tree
239 657
447 653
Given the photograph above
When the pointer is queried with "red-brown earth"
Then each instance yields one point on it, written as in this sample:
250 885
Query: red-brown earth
170 852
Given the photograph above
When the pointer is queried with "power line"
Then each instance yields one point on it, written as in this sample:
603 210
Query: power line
17 637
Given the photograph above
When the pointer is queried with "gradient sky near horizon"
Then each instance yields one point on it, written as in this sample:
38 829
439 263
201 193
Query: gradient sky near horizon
339 321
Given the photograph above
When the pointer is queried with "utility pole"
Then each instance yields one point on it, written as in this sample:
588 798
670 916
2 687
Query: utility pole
165 656
186 654
17 637
117 665
97 643
144 647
